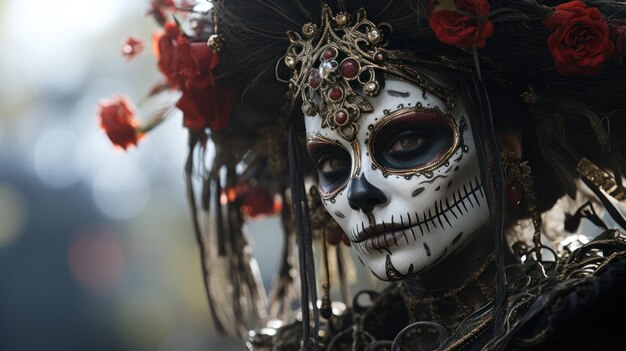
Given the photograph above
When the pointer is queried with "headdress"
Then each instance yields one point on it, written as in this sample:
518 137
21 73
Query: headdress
333 64
525 66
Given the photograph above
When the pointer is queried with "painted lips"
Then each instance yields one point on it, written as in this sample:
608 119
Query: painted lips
378 230
382 241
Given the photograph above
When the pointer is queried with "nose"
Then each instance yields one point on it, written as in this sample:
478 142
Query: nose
362 195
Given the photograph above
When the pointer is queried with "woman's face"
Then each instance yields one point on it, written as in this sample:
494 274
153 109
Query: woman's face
407 191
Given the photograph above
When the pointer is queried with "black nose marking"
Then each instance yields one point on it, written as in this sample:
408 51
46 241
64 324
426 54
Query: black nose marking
362 195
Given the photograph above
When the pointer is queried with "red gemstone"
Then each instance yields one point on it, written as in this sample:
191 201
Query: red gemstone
333 237
349 68
335 93
513 195
315 79
346 240
329 53
379 56
341 118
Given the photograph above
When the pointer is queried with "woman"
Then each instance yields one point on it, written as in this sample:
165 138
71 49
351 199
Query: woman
434 129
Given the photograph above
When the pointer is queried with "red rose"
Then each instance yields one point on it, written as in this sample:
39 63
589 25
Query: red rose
203 103
465 24
580 39
189 66
194 64
183 63
117 118
208 107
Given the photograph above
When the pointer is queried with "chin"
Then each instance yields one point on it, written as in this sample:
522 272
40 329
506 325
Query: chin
399 262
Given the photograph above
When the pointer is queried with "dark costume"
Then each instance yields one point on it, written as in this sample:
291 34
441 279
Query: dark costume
577 307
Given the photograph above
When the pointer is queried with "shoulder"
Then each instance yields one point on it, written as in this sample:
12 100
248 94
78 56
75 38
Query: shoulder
585 306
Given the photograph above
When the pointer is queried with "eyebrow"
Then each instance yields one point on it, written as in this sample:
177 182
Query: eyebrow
396 93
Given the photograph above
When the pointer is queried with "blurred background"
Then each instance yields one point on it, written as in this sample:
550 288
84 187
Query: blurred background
96 247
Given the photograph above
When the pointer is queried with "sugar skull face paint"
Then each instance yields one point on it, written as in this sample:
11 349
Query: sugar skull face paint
407 190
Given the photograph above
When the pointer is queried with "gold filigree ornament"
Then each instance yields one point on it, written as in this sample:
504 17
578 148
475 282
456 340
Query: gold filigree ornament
600 178
333 64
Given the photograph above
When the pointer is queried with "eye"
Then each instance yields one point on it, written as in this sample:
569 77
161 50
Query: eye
330 165
333 164
406 143
412 140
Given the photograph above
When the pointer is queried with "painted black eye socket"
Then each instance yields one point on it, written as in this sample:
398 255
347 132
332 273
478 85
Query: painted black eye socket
333 165
413 140
404 145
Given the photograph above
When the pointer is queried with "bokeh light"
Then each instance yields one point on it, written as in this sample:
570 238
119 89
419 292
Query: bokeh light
96 260
1 133
96 246
121 190
53 157
12 213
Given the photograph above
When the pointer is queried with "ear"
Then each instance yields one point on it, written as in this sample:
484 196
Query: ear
511 142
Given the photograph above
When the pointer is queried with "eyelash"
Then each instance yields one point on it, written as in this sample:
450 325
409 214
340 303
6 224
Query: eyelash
409 135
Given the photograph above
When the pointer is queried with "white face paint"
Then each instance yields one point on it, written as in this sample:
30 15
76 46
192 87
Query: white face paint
407 191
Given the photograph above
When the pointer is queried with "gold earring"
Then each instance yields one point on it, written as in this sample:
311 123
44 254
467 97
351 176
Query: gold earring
519 190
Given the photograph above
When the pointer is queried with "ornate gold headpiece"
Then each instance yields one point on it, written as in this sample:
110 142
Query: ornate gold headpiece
336 62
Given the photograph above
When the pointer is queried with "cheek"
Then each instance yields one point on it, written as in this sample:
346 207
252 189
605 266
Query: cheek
457 173
340 209
424 195
418 190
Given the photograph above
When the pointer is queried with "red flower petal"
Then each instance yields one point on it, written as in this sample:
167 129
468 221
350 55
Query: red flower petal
164 47
570 6
117 118
207 108
259 201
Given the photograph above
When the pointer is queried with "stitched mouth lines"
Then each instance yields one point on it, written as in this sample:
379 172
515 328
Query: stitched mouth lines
463 199
457 207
